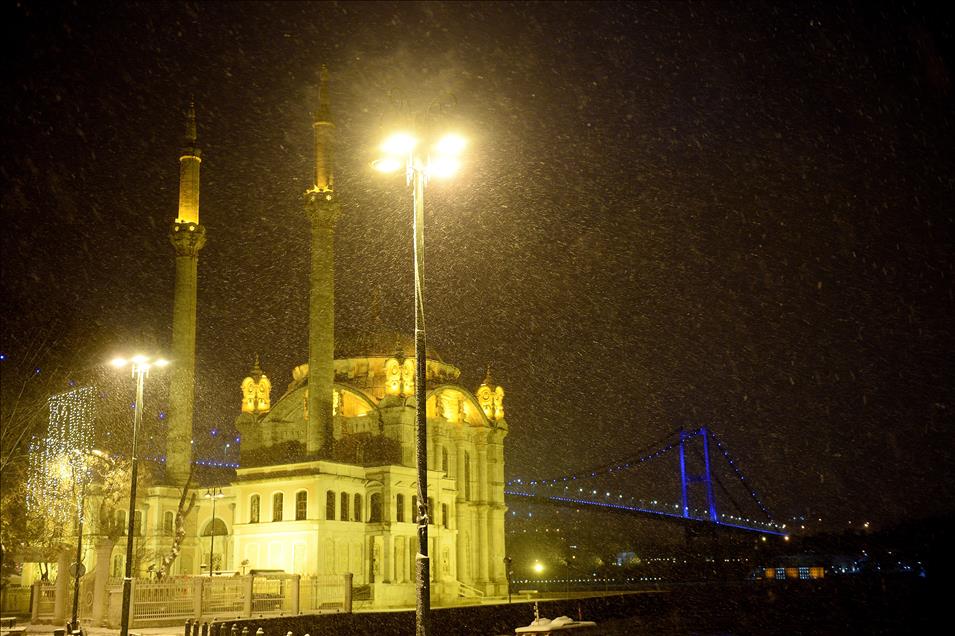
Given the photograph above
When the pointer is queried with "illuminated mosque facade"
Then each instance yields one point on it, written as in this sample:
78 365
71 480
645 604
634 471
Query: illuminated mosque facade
327 480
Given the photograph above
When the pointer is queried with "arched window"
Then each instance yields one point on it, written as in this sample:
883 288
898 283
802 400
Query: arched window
168 521
444 515
414 508
330 505
301 505
444 460
121 522
375 513
254 509
215 528
278 501
400 508
358 508
343 512
138 523
467 476
431 519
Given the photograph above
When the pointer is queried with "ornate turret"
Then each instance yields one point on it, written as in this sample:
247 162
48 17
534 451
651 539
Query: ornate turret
323 210
324 130
256 390
187 237
189 172
491 397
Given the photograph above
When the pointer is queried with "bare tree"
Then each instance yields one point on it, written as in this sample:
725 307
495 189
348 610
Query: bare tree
181 513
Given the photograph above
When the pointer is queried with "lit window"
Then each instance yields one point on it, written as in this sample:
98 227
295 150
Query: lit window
278 501
343 513
330 505
467 476
168 520
254 509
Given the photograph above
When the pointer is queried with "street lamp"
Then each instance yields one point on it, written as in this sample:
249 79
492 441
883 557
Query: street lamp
213 494
78 569
140 365
422 156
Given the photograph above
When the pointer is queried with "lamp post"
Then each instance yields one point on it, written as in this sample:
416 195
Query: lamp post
78 570
213 494
422 157
140 366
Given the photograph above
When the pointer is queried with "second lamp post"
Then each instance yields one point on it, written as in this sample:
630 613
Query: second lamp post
140 366
422 158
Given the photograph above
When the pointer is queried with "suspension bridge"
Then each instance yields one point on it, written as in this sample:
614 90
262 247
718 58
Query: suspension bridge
699 471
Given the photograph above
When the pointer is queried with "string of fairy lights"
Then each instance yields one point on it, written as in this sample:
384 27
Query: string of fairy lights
592 497
58 462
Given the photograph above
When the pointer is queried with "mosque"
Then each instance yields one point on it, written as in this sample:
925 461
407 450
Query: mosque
326 482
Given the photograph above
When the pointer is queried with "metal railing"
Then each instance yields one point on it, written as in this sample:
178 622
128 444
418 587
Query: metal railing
163 600
44 599
325 593
15 600
173 600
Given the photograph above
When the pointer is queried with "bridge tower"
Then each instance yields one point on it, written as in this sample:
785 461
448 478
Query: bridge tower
704 477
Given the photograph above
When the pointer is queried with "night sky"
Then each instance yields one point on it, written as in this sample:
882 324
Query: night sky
670 215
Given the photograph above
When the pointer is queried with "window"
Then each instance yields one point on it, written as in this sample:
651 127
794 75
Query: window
414 508
431 518
343 513
467 476
301 505
444 515
168 520
358 508
138 523
277 502
444 460
121 522
375 508
254 509
400 508
330 505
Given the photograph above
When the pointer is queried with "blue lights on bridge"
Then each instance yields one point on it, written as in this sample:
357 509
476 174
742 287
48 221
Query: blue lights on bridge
539 488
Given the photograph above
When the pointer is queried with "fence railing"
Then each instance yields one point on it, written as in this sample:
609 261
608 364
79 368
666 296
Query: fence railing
162 600
324 593
44 601
15 600
174 600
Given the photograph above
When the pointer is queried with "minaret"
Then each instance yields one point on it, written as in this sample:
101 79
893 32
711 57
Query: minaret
187 237
323 210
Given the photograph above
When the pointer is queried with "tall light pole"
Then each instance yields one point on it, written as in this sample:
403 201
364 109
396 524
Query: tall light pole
140 366
78 565
213 494
422 157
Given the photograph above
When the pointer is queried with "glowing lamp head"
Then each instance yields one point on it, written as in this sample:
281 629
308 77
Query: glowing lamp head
538 567
119 363
399 144
387 165
450 145
443 167
139 359
161 362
